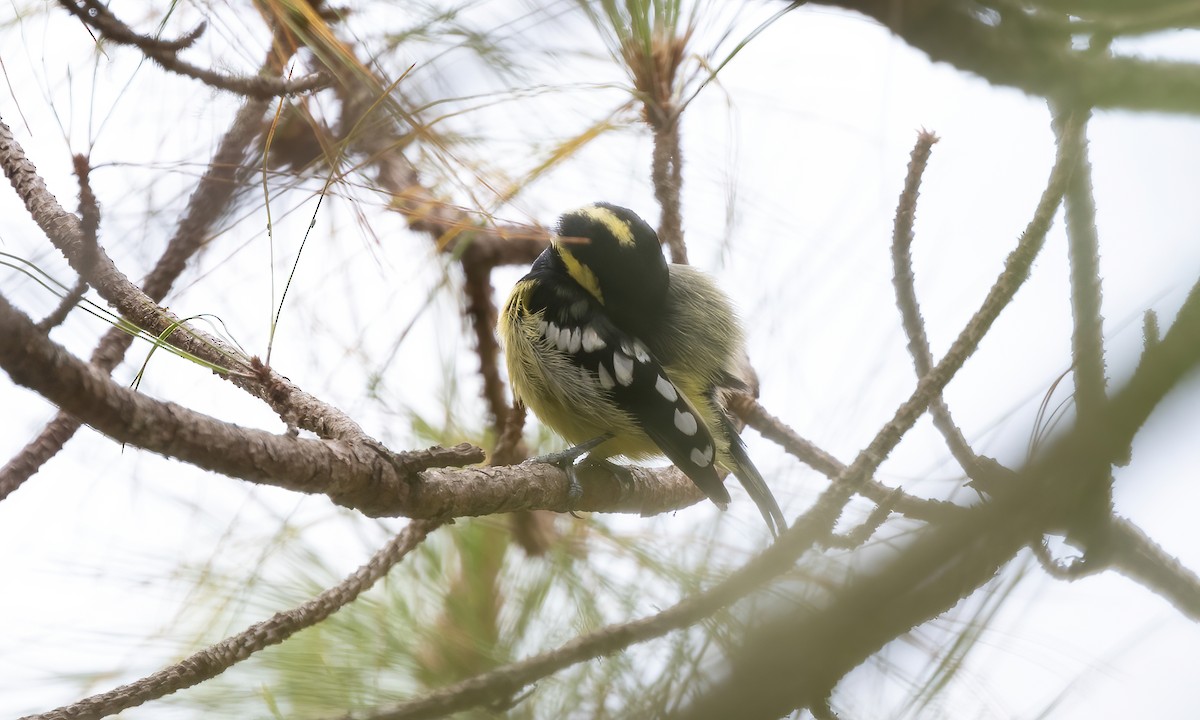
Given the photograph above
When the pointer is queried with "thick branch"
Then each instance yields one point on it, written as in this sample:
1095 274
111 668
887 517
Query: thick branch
357 475
208 202
1003 53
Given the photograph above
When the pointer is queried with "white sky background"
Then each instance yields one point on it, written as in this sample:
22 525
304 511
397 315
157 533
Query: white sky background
793 163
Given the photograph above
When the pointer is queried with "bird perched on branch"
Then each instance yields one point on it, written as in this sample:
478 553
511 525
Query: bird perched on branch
622 353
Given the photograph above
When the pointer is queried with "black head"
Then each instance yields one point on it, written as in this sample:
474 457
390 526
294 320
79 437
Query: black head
615 255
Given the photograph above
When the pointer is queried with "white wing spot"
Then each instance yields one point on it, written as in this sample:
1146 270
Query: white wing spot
591 340
606 380
551 333
640 352
666 389
623 366
573 348
542 325
703 459
686 422
564 339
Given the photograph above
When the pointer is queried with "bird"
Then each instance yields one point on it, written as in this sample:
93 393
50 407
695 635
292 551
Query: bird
624 354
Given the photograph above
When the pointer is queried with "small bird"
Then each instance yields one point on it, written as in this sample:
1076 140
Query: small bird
624 354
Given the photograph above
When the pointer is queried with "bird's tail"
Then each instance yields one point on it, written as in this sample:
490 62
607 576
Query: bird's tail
752 479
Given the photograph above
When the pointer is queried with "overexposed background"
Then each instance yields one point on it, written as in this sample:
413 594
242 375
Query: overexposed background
113 559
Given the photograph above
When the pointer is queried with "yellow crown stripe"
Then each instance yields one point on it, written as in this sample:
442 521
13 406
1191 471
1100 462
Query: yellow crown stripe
615 225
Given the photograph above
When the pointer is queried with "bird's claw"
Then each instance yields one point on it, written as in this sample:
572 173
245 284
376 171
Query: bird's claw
568 461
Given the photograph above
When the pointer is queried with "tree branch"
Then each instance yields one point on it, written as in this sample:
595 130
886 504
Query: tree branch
166 53
358 475
1133 554
216 659
910 308
775 430
1010 53
209 201
63 229
777 670
1087 337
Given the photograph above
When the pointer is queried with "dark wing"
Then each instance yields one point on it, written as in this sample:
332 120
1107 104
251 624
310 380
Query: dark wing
625 368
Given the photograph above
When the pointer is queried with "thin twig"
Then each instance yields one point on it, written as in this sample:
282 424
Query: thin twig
1087 339
774 429
1133 554
859 535
910 309
89 214
666 174
94 14
480 310
216 659
48 323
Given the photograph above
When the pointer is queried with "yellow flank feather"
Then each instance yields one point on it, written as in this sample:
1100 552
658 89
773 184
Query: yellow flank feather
563 395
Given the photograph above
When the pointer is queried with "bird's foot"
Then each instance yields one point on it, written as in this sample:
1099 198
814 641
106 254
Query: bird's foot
568 461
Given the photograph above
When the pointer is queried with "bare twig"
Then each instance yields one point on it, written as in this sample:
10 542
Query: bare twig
666 174
96 15
910 309
481 312
208 202
1133 554
53 320
216 659
859 535
1150 333
89 213
1087 341
774 429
